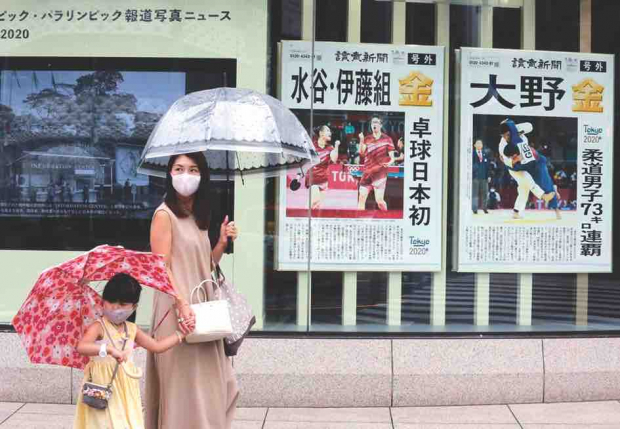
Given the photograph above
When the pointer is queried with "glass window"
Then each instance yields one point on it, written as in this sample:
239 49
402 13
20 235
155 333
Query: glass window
563 37
73 122
421 24
376 22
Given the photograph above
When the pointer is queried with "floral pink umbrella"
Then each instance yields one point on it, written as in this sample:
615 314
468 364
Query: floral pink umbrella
62 305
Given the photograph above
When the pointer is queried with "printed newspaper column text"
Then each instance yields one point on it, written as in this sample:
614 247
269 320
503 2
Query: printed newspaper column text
419 189
592 170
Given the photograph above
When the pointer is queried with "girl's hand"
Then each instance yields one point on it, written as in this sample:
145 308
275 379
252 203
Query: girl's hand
119 356
125 355
228 229
186 319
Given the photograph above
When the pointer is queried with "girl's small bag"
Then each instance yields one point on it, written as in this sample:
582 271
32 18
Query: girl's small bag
97 395
212 317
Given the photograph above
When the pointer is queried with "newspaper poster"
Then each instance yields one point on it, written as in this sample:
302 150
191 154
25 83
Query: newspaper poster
373 203
535 153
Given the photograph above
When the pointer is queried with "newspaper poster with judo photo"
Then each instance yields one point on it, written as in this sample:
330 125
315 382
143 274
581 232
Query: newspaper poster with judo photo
373 202
535 152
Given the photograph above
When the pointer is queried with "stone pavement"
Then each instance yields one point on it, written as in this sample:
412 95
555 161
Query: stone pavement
577 415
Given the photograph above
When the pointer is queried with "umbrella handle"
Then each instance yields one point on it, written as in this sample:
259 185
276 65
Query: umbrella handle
135 375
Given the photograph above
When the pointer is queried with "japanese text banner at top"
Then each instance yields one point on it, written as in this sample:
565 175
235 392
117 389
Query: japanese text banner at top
535 82
354 76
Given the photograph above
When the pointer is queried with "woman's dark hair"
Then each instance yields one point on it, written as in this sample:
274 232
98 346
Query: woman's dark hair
201 209
122 288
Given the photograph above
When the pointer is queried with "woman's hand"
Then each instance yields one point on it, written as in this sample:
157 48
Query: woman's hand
186 318
228 229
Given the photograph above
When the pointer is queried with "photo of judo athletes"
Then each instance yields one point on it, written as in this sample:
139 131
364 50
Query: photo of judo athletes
524 170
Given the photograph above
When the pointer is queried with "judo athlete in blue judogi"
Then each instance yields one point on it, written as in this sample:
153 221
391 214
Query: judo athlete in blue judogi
535 166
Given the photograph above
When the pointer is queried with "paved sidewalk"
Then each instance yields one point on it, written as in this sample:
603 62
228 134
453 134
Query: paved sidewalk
580 415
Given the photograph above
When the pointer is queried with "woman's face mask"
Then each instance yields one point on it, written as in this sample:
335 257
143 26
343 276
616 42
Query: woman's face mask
185 184
118 316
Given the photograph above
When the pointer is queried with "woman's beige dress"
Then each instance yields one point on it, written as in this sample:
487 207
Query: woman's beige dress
191 386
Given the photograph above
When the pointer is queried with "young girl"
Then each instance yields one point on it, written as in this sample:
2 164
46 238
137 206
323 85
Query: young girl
103 341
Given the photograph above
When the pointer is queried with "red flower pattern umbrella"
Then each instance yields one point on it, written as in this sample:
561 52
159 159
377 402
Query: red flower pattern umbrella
62 305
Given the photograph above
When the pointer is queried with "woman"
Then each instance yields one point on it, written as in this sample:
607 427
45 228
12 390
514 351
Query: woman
318 180
192 385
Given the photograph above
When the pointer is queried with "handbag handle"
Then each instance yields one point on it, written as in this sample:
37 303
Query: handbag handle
200 288
190 298
136 376
215 268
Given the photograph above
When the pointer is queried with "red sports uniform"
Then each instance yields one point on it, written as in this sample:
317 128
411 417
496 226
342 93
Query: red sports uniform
320 173
377 153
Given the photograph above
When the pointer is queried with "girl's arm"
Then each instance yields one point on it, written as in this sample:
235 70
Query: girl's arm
158 346
87 346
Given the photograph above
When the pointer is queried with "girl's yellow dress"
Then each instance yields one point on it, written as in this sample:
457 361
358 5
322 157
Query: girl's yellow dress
124 409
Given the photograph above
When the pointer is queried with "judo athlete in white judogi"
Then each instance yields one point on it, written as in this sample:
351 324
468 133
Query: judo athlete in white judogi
514 134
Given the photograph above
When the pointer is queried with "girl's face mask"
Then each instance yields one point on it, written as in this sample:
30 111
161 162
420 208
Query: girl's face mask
118 316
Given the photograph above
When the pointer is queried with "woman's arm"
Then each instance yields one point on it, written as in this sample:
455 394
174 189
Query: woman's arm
158 346
161 243
333 155
392 155
88 347
362 148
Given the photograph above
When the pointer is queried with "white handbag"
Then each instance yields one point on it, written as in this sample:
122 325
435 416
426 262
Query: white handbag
212 317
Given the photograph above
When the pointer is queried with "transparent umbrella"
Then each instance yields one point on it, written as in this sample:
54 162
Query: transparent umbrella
240 131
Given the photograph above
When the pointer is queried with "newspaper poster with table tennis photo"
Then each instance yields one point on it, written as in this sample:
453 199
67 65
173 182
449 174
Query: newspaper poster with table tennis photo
535 152
373 202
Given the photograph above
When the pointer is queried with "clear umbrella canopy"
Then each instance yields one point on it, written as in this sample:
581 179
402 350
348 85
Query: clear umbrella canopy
240 131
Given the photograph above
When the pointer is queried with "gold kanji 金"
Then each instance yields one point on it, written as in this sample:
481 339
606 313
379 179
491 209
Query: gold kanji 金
588 96
415 90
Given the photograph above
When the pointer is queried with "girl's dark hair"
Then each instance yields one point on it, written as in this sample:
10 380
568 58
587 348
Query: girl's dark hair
122 288
201 209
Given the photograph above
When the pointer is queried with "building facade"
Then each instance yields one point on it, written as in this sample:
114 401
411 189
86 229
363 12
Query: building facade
419 287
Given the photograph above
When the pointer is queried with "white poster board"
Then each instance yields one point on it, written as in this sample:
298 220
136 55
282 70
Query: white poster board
374 201
537 127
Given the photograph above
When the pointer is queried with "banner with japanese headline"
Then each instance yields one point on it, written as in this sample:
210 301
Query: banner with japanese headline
83 84
535 158
373 203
